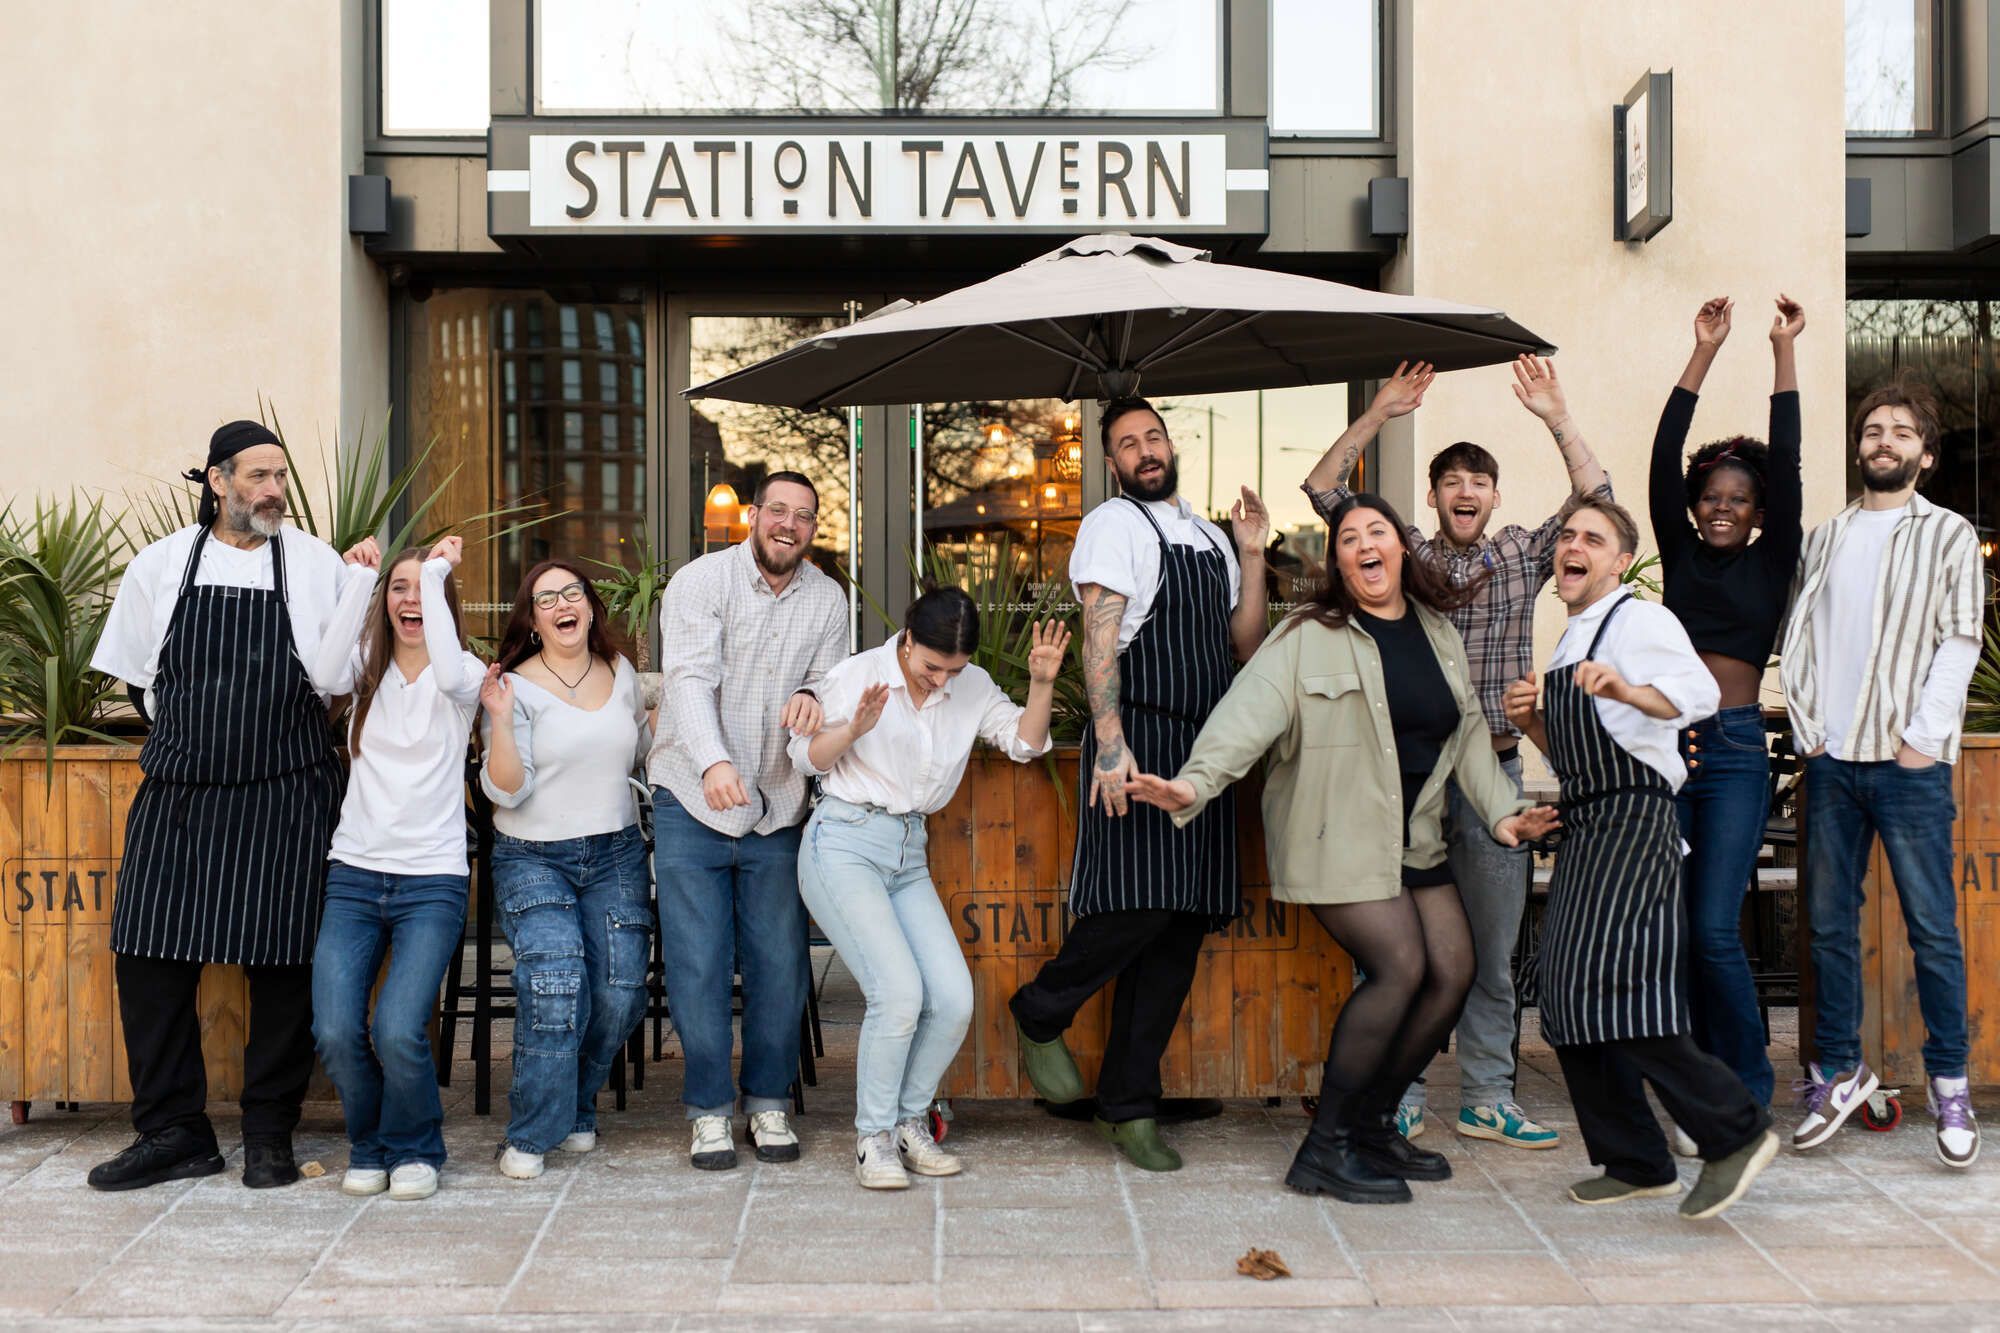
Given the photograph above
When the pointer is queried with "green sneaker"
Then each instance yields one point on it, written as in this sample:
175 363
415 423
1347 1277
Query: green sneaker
1603 1189
1140 1141
1050 1068
1727 1179
1409 1120
1504 1122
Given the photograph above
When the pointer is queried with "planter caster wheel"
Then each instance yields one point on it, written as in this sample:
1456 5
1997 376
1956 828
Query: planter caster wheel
1883 1110
1310 1105
19 1111
940 1118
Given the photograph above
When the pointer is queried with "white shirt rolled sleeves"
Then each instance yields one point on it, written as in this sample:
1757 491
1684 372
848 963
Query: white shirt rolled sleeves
912 760
1647 646
1116 548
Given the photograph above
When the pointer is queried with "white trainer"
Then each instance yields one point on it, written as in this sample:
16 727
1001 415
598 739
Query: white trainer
771 1134
875 1162
714 1149
920 1152
1950 1102
1683 1144
1829 1099
579 1140
362 1181
413 1180
518 1165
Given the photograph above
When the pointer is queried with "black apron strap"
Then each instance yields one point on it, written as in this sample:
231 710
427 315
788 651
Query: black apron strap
1605 624
194 561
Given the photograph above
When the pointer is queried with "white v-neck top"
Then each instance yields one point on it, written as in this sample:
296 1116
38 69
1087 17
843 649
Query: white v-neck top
576 762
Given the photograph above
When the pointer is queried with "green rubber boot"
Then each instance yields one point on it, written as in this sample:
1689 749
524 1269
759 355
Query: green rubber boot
1050 1068
1140 1141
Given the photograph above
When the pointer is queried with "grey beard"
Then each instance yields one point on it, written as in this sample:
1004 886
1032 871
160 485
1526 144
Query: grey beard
243 518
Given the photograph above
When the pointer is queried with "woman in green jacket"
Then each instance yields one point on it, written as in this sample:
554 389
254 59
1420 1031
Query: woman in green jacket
1365 704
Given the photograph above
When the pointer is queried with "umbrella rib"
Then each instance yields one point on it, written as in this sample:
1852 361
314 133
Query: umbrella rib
1082 348
1050 348
1186 338
833 395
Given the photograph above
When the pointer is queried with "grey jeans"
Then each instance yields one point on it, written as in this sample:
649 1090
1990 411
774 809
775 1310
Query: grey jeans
1493 883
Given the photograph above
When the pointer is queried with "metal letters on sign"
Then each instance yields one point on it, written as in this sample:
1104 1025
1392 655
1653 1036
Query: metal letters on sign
631 177
1642 133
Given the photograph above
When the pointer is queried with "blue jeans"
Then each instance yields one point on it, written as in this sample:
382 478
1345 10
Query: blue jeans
388 1085
576 915
1847 804
866 877
1723 807
727 906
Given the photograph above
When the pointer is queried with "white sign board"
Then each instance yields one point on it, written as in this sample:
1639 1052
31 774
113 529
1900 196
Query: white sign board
1635 159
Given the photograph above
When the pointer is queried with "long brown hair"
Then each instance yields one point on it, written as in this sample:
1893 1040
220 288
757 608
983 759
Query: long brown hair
378 639
520 641
1333 605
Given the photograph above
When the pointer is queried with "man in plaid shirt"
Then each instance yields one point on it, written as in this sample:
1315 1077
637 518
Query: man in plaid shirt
1498 629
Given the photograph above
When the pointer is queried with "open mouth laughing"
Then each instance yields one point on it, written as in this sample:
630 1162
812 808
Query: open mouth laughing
1572 572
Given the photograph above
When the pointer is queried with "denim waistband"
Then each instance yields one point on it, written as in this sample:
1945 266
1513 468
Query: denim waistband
581 842
912 817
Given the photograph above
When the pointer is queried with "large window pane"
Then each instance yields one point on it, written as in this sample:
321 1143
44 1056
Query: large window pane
436 72
1326 65
870 56
1004 481
1890 78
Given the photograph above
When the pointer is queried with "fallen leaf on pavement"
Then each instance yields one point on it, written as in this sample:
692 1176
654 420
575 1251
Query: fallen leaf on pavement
1262 1265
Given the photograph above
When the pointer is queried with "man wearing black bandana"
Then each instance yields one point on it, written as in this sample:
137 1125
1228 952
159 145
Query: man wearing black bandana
226 841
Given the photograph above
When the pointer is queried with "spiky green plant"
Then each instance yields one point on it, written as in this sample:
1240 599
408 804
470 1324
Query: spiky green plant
1982 704
1642 576
632 592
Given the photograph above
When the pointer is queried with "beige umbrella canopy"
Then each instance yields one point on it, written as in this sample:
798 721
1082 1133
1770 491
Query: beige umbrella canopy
1104 315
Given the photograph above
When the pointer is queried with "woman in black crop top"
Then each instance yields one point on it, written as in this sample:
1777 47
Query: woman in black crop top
1729 589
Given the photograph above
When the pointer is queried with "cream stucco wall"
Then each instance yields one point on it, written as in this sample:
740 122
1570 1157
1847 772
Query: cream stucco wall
1505 115
177 235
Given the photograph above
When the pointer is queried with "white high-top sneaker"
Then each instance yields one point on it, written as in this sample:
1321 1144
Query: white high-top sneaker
875 1162
920 1152
714 1148
771 1134
1957 1130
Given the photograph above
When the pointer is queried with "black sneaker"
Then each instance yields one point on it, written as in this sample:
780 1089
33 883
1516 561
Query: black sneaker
169 1154
267 1162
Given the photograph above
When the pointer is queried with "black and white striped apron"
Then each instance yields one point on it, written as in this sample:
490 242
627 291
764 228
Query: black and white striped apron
225 845
1170 677
1612 941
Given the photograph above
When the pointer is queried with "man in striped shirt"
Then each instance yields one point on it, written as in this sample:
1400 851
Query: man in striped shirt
1884 635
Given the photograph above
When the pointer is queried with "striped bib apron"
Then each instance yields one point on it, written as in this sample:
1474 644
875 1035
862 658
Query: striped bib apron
225 845
1612 947
1170 677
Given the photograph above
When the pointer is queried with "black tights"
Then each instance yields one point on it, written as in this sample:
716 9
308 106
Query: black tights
1414 953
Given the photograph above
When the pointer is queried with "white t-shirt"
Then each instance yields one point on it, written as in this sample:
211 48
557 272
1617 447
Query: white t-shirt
576 762
1117 548
1648 646
912 759
404 813
137 624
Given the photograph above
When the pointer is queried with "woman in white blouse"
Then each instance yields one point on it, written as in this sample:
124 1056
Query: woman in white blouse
905 717
564 729
397 875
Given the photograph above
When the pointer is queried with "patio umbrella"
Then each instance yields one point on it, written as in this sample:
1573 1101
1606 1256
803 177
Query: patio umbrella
1103 314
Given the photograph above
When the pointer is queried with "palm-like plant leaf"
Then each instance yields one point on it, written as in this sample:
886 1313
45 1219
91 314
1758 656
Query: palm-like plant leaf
632 591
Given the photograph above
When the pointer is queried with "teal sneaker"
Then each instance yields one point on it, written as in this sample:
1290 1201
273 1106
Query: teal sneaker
1504 1122
1409 1120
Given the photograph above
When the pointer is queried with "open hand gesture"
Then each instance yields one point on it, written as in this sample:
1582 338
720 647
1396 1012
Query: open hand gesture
367 553
1527 826
448 548
1250 524
496 694
1535 384
869 710
1789 322
1045 658
1403 392
1169 794
1711 322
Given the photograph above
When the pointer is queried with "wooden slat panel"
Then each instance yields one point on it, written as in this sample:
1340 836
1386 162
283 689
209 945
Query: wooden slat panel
125 777
223 1003
45 971
13 1014
87 914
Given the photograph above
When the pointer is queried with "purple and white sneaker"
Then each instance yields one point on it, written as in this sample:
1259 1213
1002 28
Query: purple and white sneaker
1828 1101
1957 1130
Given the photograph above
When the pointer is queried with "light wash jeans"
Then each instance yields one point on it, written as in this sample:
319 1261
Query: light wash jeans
1493 884
865 878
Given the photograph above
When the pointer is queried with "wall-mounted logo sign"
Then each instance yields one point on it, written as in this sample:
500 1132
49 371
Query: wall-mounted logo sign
1642 134
703 176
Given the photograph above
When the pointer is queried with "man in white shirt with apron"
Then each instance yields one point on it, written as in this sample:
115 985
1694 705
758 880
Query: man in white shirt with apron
1168 609
225 845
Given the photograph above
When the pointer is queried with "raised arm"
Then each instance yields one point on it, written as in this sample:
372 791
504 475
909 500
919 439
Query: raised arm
332 668
1250 525
1401 393
1784 491
1666 485
1536 385
450 670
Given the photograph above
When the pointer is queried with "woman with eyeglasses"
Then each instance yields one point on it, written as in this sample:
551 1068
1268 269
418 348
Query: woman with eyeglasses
564 727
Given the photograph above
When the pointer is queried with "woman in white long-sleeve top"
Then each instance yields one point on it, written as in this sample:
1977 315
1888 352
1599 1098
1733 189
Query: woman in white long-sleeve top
904 717
397 876
564 729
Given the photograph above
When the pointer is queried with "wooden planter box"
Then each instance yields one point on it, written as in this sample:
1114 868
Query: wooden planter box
1258 1018
1892 1025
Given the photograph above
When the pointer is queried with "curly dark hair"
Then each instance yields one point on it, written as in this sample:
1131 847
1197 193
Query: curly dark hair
1333 605
1739 451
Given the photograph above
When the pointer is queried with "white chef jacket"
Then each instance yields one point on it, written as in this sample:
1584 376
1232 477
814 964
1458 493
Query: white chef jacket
1648 646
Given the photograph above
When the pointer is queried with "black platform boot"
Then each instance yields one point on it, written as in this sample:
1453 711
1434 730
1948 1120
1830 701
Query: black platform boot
1382 1146
1327 1162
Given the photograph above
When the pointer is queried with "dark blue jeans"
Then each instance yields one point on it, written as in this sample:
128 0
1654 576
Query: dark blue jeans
388 1085
576 915
1847 805
1723 808
730 905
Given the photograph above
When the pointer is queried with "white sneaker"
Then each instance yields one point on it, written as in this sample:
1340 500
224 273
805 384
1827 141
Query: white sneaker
771 1133
920 1152
1683 1145
362 1181
413 1180
875 1162
1829 1100
580 1140
714 1148
518 1165
1957 1130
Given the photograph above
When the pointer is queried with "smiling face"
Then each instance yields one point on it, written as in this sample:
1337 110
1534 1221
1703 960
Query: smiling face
781 531
1891 451
564 623
402 601
1729 507
1368 554
927 669
1142 455
252 489
1590 557
1464 501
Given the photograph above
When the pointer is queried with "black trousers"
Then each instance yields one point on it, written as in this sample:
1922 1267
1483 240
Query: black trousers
156 1003
1153 955
1607 1086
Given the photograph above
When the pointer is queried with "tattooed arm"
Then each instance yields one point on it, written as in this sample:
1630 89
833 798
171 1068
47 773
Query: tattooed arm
1401 393
1103 610
1541 392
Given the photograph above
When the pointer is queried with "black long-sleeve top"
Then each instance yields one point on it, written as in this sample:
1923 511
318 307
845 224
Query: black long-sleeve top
1731 602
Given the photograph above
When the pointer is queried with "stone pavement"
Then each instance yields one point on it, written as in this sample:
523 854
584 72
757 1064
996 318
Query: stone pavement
1044 1231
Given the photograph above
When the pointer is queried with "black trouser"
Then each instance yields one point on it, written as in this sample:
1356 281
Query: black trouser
1701 1093
156 1003
1153 954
